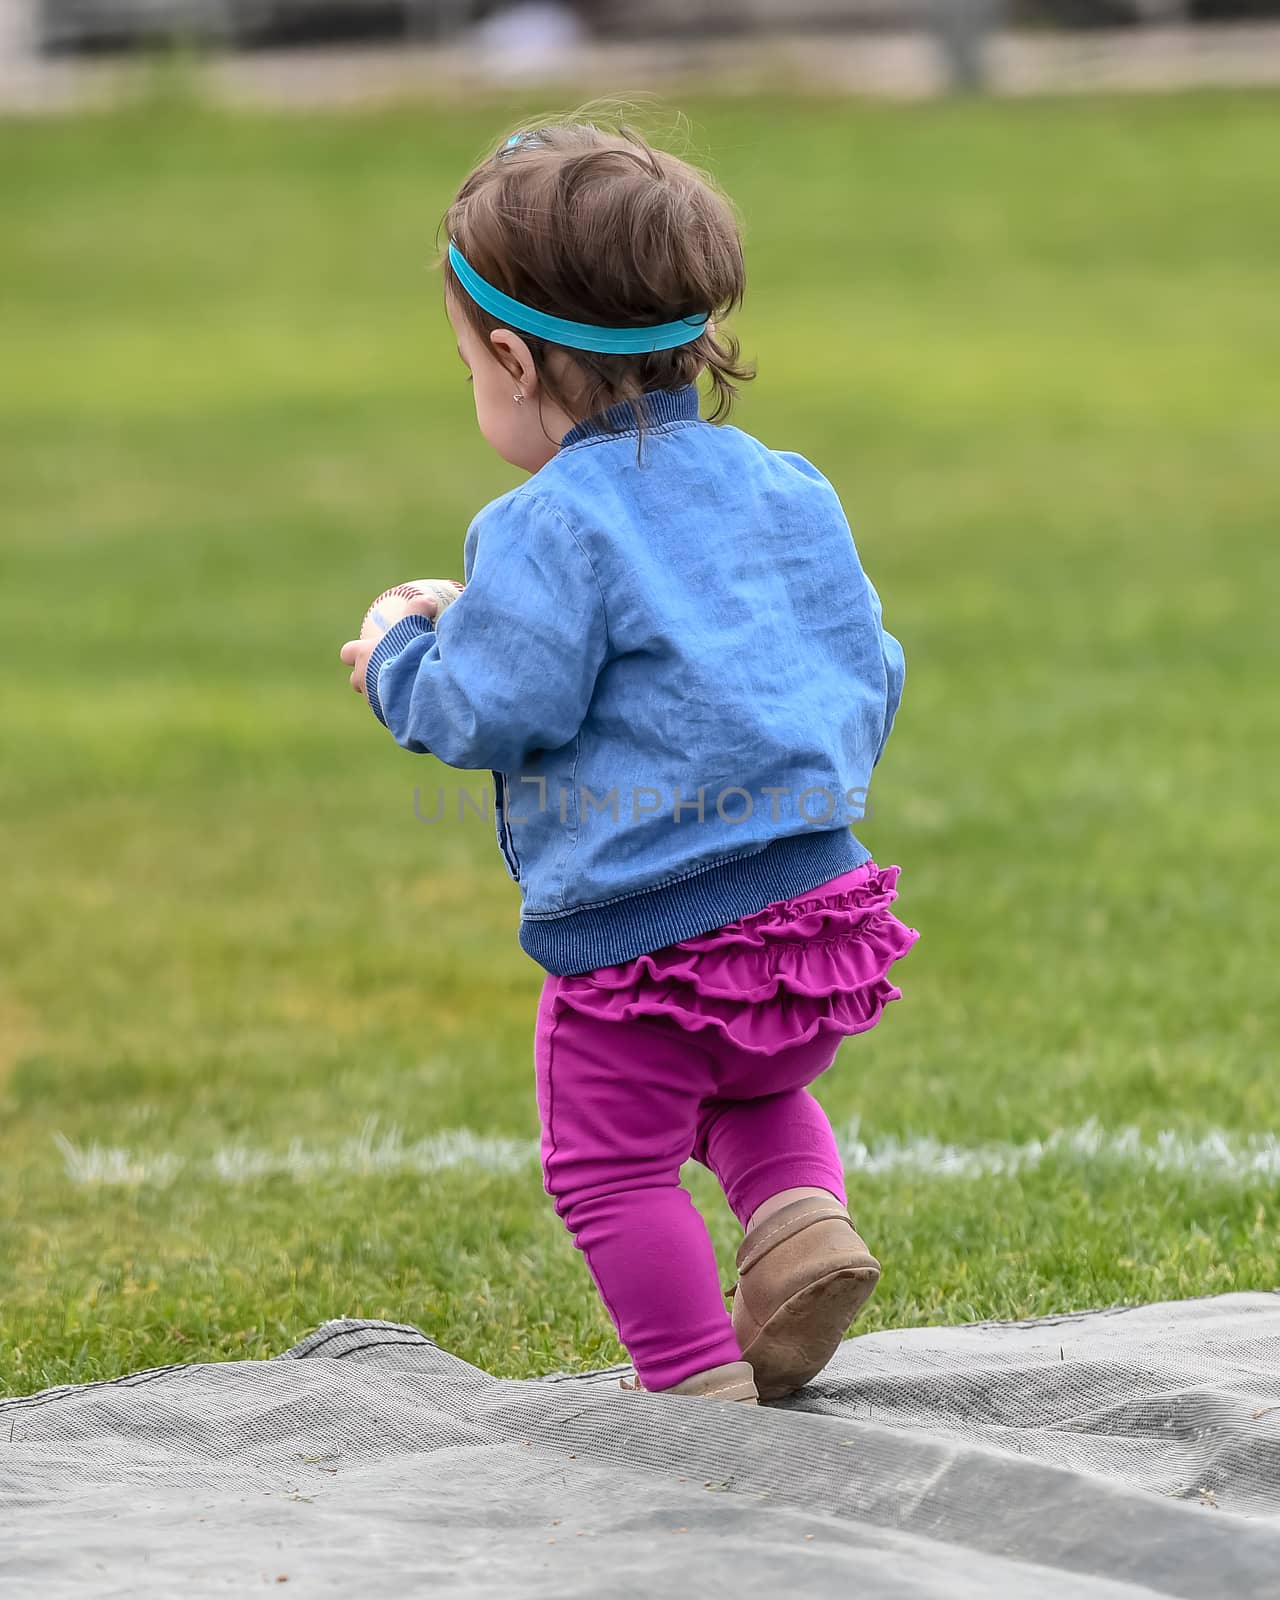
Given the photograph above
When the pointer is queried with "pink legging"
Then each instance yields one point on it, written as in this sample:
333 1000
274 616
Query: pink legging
623 1105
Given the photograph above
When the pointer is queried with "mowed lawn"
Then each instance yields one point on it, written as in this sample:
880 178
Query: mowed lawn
265 1037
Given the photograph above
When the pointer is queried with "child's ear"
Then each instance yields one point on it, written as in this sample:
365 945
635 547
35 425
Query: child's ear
514 354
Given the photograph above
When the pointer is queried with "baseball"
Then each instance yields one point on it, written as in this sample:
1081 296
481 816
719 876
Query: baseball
391 604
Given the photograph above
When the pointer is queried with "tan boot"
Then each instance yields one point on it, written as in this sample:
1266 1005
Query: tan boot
733 1381
803 1276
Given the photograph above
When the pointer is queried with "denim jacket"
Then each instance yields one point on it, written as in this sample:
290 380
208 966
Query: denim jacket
674 666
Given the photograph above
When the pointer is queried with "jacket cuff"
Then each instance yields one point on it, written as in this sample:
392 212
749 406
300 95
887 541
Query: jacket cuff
391 644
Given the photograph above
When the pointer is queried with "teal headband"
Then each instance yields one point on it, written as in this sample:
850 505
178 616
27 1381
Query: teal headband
575 335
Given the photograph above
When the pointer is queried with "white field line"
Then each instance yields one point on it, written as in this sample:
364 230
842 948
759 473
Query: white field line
1226 1157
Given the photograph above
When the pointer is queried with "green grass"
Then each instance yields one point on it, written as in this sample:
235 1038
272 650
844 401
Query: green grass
1035 346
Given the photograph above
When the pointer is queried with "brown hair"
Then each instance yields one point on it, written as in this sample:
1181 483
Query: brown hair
598 226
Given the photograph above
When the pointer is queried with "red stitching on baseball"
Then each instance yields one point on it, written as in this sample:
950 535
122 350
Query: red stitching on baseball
409 592
404 589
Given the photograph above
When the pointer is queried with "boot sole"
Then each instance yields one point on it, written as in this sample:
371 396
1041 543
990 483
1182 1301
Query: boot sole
805 1332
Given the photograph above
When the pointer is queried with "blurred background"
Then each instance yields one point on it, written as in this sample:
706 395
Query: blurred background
536 23
884 46
265 1035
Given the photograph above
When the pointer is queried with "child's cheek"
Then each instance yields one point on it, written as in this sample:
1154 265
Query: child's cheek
494 423
491 414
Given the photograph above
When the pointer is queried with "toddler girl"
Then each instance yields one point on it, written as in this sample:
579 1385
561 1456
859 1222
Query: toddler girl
668 655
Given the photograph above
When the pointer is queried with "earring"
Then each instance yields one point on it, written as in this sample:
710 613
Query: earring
518 398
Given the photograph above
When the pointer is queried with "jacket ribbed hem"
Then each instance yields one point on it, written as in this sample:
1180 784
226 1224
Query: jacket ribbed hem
392 642
661 407
606 935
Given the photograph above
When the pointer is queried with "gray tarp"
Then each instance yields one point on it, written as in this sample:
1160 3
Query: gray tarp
1114 1454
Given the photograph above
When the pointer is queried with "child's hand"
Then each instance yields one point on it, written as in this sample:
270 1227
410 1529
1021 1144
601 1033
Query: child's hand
356 652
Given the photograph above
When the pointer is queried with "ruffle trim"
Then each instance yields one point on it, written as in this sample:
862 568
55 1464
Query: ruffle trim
820 960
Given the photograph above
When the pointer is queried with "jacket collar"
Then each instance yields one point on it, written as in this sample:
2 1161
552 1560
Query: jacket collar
660 405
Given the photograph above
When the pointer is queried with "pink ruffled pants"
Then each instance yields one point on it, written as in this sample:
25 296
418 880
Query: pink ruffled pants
703 1050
